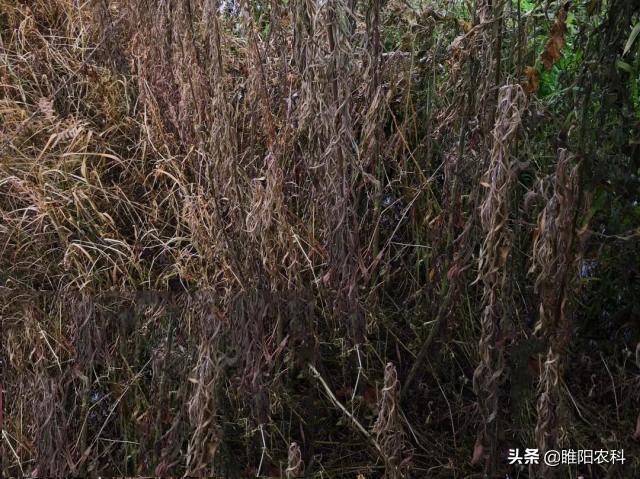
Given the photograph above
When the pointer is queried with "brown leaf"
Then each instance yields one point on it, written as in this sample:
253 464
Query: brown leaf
466 25
453 272
533 80
161 468
555 42
636 434
432 274
478 450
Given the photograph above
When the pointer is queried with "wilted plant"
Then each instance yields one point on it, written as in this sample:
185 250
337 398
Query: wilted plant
295 465
388 428
207 206
554 263
494 254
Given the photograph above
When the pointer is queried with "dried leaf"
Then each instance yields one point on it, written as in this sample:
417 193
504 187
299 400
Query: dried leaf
533 80
466 25
453 272
478 451
432 274
555 42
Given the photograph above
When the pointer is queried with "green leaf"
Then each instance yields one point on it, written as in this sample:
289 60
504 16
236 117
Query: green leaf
623 66
632 37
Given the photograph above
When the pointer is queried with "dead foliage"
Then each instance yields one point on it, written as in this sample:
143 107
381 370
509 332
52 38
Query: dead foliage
230 231
552 49
554 258
494 254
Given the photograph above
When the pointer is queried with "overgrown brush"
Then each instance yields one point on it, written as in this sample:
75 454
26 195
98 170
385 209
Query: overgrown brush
230 231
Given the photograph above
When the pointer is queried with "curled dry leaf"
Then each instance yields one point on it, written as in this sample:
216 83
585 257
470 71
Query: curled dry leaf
478 451
533 80
295 466
555 42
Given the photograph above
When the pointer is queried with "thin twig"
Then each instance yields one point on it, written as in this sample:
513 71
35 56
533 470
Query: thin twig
339 405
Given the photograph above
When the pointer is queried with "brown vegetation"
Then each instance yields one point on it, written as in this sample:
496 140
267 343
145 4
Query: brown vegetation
329 238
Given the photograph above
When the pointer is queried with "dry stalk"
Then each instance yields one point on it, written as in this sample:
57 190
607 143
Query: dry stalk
554 259
388 427
494 253
340 406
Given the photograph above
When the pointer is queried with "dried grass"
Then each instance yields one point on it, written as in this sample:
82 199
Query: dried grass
229 231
